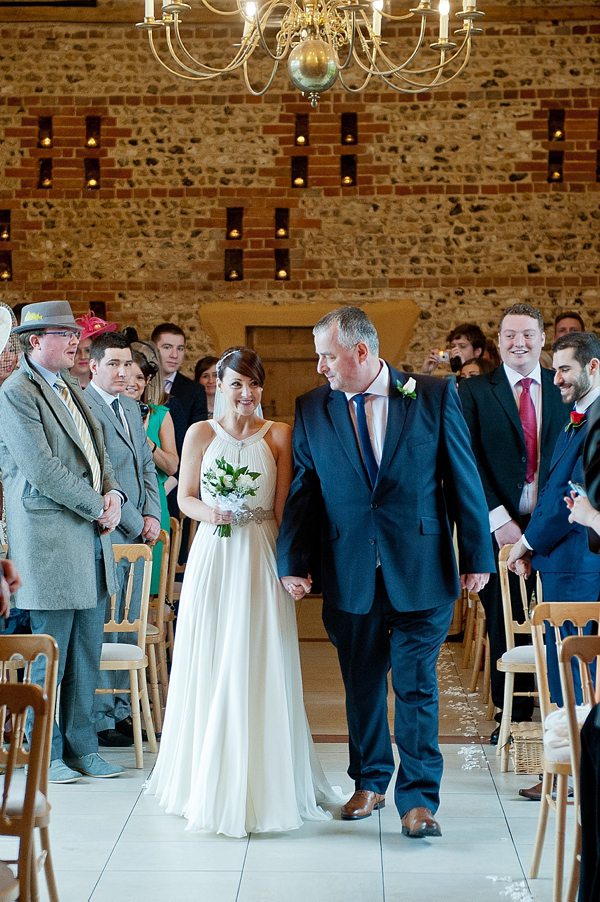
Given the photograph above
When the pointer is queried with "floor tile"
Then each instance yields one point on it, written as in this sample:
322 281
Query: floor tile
298 887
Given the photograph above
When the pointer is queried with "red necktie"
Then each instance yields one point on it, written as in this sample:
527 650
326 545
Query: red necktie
529 424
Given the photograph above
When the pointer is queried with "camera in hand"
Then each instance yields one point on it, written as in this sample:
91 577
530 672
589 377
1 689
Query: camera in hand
144 409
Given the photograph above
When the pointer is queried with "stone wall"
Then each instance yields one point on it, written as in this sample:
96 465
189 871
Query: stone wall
452 206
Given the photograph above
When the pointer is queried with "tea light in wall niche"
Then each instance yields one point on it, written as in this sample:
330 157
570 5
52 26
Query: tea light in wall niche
234 233
555 175
300 139
92 183
5 275
46 142
91 142
46 183
299 182
347 180
4 235
282 233
282 274
348 139
234 275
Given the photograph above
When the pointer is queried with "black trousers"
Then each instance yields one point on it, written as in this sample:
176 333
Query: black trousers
589 885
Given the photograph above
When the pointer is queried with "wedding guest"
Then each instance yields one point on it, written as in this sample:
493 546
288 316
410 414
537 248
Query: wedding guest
90 325
566 322
475 366
206 374
465 341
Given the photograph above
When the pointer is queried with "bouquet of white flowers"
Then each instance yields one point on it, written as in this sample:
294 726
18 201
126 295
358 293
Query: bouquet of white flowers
229 487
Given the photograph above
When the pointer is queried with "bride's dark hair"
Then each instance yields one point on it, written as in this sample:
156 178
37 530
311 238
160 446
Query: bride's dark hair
244 361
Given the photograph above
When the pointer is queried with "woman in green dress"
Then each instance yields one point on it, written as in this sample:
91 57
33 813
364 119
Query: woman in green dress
146 387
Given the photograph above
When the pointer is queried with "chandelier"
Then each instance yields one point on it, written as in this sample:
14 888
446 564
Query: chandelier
324 41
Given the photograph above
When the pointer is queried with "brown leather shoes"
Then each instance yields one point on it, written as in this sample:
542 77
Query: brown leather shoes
419 822
362 804
534 793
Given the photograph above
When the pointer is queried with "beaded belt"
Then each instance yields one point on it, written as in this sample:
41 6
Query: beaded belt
256 515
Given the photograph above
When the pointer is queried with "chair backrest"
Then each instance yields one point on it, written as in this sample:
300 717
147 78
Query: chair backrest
17 819
585 649
556 613
156 605
130 624
512 627
18 652
173 557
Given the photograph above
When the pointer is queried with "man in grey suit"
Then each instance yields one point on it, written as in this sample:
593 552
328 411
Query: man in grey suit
131 458
62 501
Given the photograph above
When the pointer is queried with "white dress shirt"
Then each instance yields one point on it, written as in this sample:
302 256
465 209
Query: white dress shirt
499 515
376 409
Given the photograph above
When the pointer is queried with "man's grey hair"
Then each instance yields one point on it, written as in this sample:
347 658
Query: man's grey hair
353 326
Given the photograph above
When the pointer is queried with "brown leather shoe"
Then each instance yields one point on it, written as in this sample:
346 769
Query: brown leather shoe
534 794
362 804
419 822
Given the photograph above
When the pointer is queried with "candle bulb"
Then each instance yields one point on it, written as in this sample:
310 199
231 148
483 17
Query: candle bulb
250 12
377 7
149 11
444 10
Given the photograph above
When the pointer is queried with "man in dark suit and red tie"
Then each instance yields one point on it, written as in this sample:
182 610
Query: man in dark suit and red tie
514 415
383 468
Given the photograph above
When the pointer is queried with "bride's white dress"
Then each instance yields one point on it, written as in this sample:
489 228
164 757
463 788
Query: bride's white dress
236 754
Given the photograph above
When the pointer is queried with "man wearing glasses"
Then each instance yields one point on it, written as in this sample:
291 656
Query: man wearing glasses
62 503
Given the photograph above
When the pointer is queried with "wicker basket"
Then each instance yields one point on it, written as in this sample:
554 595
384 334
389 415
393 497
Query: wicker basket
527 747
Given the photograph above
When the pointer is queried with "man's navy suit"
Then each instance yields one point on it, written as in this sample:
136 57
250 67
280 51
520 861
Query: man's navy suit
499 446
389 574
569 570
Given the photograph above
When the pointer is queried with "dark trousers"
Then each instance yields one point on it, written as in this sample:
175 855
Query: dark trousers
491 599
368 645
589 885
567 587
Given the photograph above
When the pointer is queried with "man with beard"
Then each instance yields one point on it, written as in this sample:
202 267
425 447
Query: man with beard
553 546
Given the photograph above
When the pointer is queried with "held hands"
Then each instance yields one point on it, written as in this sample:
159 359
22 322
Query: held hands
582 511
473 582
151 530
519 560
111 517
297 586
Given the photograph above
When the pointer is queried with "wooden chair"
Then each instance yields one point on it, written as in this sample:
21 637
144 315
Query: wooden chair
555 762
156 637
171 590
21 804
516 658
18 652
585 649
125 656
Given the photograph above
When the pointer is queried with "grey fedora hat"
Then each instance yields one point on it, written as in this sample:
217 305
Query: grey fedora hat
46 314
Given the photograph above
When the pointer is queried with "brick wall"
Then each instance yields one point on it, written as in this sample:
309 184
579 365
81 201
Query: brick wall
452 205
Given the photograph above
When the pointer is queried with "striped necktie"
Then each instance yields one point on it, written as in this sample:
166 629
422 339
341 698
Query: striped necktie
84 433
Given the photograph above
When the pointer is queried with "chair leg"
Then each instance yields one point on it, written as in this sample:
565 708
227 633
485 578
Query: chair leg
477 661
573 885
147 713
135 717
559 847
170 637
156 703
503 738
487 688
163 671
540 833
48 866
468 637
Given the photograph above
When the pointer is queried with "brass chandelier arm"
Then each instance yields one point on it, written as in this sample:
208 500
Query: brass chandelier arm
352 90
402 71
416 88
205 71
276 57
264 90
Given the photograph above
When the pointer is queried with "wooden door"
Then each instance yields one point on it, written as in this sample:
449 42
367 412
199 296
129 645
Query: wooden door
290 362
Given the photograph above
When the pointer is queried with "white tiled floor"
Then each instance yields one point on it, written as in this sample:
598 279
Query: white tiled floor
113 844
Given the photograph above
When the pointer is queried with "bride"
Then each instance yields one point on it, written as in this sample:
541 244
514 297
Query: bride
236 754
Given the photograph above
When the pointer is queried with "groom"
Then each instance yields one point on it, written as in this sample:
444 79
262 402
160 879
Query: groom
382 470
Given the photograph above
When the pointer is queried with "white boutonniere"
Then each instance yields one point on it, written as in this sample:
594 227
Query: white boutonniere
408 390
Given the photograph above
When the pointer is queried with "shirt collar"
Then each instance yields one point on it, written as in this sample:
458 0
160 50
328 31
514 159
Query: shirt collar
171 378
514 378
103 394
48 375
379 386
583 403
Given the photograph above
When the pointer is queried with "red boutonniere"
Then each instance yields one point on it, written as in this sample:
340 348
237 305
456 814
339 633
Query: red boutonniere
576 420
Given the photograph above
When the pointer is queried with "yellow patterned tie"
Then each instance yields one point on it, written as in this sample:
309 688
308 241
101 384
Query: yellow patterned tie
84 433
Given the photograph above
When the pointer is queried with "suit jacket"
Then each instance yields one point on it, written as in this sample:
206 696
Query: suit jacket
192 397
591 467
560 546
427 482
132 463
497 435
51 506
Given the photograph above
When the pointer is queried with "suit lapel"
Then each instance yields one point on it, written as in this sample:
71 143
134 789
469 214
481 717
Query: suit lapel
566 442
547 382
103 411
342 423
401 413
504 395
